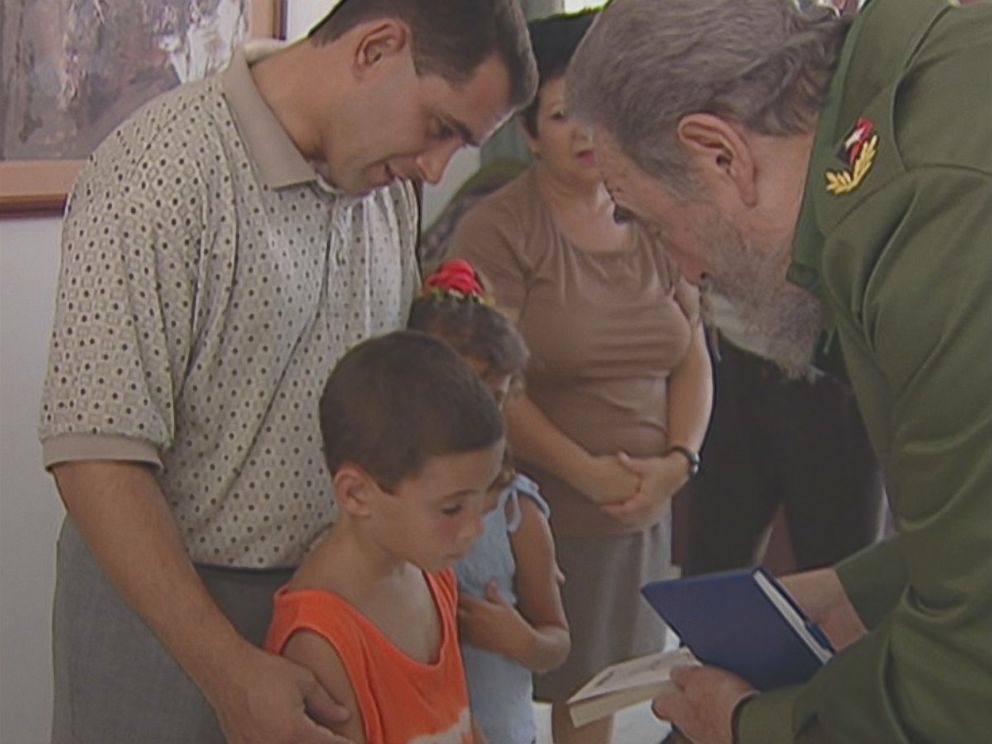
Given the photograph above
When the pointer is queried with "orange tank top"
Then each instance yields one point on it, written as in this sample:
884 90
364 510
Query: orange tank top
401 700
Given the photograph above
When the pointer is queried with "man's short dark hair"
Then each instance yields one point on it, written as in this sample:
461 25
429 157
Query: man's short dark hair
396 401
554 40
451 38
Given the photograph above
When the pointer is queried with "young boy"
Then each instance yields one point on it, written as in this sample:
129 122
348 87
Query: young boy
413 440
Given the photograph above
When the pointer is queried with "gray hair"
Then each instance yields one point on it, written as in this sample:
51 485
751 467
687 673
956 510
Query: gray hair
645 64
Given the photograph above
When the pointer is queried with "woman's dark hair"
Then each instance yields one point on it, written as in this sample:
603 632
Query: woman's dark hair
554 40
450 39
394 402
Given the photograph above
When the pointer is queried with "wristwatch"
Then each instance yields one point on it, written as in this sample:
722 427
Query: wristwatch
690 455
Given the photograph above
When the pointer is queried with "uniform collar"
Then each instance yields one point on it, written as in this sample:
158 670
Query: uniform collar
880 43
808 241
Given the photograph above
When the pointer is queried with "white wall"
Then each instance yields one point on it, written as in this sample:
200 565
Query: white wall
30 511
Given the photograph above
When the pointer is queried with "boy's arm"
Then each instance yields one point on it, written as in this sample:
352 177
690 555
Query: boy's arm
538 591
316 654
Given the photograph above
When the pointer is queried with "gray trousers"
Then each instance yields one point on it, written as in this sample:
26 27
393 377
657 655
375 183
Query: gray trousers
114 682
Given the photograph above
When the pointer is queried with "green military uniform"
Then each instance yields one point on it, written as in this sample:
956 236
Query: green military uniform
895 235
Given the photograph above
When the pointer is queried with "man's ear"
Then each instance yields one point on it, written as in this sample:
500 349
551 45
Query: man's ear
354 490
379 41
720 152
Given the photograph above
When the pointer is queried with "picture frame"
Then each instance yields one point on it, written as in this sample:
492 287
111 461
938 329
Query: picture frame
297 17
176 51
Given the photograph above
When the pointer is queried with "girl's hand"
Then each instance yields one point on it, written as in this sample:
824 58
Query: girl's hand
492 623
660 478
606 480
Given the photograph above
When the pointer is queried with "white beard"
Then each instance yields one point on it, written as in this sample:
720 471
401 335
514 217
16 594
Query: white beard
782 318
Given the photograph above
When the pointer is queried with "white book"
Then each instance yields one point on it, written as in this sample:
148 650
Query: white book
628 683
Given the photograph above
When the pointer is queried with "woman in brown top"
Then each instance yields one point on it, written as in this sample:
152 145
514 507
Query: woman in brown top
618 377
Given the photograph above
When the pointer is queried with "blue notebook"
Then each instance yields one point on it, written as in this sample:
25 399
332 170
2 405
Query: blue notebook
743 621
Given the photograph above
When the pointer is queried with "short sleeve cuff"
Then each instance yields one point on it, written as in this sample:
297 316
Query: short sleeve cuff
77 447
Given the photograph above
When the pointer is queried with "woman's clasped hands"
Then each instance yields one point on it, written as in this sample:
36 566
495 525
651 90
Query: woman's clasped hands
636 490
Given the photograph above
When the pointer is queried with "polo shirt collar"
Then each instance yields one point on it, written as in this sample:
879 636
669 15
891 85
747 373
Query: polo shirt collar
269 146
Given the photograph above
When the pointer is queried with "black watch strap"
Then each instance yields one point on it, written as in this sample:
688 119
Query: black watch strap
691 456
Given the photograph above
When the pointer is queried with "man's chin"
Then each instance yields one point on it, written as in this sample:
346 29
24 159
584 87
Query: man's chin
360 186
784 330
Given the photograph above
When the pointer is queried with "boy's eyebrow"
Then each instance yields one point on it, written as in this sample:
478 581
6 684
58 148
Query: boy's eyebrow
456 494
465 492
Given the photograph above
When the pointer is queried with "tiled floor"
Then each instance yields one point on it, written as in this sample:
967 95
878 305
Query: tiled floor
633 726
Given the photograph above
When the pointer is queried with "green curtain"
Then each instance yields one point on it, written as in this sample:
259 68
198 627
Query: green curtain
507 143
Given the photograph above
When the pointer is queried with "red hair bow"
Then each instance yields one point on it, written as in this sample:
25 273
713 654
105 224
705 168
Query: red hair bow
456 276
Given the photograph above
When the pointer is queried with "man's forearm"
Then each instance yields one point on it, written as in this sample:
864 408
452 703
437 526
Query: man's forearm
122 514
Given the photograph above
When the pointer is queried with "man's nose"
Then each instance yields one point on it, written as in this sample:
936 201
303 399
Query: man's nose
432 163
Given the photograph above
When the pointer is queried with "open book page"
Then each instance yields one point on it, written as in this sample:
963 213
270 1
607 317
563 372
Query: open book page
625 684
812 636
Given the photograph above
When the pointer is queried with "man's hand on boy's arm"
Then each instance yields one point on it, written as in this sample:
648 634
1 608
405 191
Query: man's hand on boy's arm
121 513
308 651
270 699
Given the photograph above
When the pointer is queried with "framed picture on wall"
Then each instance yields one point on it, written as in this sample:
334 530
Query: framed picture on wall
299 16
72 70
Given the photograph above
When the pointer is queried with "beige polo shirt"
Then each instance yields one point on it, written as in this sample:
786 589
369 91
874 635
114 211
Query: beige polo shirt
210 280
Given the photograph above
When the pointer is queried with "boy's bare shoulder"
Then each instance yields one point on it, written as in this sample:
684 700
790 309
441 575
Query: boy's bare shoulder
314 652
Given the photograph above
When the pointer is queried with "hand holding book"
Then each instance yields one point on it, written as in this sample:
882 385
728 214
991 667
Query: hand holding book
702 702
743 622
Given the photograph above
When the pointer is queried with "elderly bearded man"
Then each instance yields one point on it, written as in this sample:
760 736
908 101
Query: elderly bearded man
835 175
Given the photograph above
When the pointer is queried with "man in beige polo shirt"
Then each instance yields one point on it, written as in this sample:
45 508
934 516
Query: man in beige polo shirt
221 250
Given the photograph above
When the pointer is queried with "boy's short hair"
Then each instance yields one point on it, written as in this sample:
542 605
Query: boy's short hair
554 40
450 39
395 401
